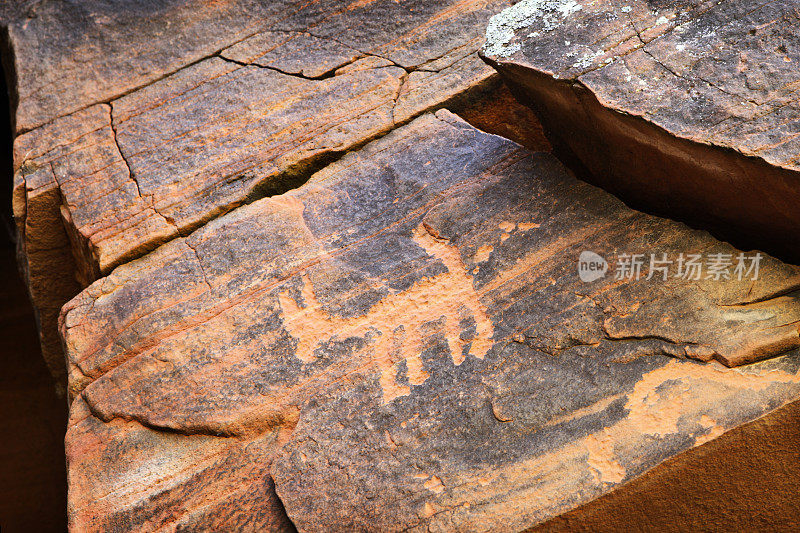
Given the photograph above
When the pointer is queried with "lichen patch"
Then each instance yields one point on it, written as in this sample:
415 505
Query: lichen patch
503 27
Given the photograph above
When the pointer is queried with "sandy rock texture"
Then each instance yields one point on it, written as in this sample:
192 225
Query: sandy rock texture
404 343
687 108
140 121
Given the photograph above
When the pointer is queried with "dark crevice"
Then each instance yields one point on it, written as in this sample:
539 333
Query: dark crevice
119 148
33 480
7 108
324 76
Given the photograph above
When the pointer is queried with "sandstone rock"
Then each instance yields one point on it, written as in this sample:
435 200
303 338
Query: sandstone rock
404 343
242 100
69 56
688 108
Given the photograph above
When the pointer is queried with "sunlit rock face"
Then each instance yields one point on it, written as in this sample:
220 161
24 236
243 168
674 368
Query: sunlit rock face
141 121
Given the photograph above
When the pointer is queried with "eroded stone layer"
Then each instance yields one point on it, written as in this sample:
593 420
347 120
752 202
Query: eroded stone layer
221 104
404 343
686 107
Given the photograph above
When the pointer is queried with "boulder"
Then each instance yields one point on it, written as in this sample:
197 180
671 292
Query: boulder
415 339
687 109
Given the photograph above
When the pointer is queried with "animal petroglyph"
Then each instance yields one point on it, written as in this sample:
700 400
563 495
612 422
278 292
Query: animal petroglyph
401 320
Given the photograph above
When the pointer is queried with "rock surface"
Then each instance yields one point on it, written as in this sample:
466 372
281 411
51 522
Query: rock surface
243 100
687 108
404 343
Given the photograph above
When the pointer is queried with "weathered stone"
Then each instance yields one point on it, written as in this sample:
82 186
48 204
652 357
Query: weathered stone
685 107
67 56
244 100
404 343
70 55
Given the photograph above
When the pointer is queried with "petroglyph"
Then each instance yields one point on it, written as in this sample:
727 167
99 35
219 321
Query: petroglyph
601 458
399 325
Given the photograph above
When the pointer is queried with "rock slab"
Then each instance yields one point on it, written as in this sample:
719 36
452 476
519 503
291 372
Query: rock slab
404 343
686 108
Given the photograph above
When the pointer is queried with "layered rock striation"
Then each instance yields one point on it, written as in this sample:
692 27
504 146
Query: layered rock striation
169 128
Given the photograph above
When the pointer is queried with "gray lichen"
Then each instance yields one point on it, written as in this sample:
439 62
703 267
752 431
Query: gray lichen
503 26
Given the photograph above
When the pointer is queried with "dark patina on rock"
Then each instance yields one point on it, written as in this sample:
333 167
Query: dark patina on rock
404 343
